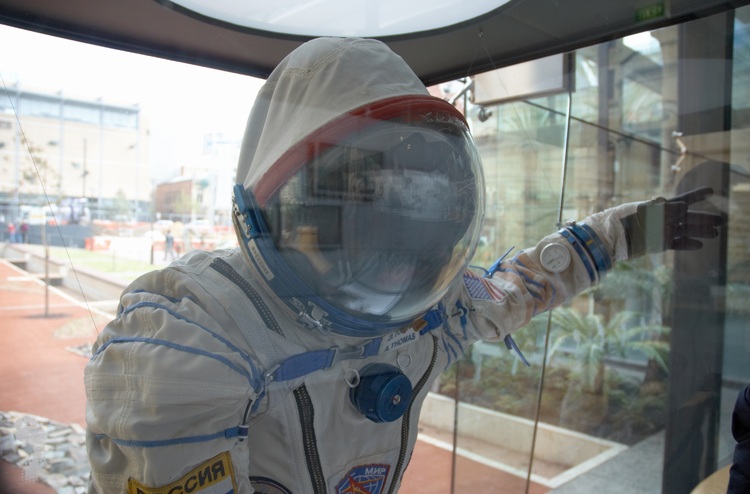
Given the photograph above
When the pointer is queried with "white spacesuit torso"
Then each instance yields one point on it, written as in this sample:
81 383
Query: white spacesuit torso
208 382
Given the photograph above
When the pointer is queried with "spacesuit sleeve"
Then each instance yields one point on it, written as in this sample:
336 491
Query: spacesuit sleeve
540 278
168 394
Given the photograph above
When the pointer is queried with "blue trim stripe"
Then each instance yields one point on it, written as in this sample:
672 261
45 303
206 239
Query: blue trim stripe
454 338
594 245
306 363
579 250
254 382
255 406
174 300
526 278
538 296
530 284
302 364
372 348
463 318
176 315
493 269
434 319
510 344
230 433
448 349
121 309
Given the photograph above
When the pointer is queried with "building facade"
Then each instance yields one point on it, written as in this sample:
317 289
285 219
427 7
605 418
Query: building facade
60 151
203 189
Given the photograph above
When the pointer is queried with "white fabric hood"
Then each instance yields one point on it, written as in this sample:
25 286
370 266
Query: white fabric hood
321 80
357 254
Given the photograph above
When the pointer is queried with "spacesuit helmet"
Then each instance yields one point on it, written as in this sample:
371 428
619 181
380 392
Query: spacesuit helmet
364 224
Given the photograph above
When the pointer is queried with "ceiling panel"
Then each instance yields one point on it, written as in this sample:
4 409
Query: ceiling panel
518 31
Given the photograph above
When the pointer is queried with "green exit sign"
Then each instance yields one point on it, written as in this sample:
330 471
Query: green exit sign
650 12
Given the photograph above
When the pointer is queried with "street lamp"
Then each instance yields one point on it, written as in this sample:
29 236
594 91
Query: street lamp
85 170
136 201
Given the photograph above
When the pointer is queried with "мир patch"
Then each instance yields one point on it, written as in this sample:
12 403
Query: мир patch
364 479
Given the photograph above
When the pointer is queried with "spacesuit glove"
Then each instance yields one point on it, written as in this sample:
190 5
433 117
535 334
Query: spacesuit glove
662 224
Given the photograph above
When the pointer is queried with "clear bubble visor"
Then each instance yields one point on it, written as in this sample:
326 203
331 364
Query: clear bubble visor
379 225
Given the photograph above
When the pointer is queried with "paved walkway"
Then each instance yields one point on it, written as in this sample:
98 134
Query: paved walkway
38 374
42 332
41 370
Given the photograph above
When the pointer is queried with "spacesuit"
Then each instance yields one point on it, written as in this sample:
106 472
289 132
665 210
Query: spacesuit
298 363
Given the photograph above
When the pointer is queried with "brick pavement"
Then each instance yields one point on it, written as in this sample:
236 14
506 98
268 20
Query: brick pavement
39 374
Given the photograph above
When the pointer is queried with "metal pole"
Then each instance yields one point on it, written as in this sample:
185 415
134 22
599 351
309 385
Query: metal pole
17 191
85 170
46 267
152 239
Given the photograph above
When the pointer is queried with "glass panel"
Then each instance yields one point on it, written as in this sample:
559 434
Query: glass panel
83 154
736 345
81 112
643 370
522 151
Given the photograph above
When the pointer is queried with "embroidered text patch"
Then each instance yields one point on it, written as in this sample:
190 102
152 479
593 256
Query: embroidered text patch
365 479
215 476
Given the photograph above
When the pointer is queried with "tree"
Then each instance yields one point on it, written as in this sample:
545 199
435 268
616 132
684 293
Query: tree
646 289
36 174
591 340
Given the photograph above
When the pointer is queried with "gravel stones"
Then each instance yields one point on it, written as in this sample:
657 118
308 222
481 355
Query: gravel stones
48 451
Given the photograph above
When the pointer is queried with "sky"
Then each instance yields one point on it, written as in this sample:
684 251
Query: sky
183 102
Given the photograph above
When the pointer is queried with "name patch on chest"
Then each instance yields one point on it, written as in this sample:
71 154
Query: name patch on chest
364 479
214 476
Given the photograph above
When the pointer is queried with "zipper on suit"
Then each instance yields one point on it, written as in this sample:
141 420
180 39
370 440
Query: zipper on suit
301 396
406 420
225 269
309 441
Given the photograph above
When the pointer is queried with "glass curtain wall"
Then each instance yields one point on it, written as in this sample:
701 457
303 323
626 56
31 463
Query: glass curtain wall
630 387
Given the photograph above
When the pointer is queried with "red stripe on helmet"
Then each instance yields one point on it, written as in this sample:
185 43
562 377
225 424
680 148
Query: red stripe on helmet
408 108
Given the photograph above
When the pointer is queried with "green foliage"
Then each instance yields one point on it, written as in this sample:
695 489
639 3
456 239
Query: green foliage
638 280
100 261
634 414
592 339
619 321
625 413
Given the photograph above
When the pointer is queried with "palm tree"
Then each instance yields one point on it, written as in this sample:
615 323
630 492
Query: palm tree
591 339
646 289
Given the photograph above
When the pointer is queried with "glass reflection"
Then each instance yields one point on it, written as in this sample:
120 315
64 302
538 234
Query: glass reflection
646 366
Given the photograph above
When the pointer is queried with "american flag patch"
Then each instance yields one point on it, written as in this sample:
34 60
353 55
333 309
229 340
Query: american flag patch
481 288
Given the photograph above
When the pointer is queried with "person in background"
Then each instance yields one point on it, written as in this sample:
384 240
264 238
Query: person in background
11 233
24 231
169 246
299 362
